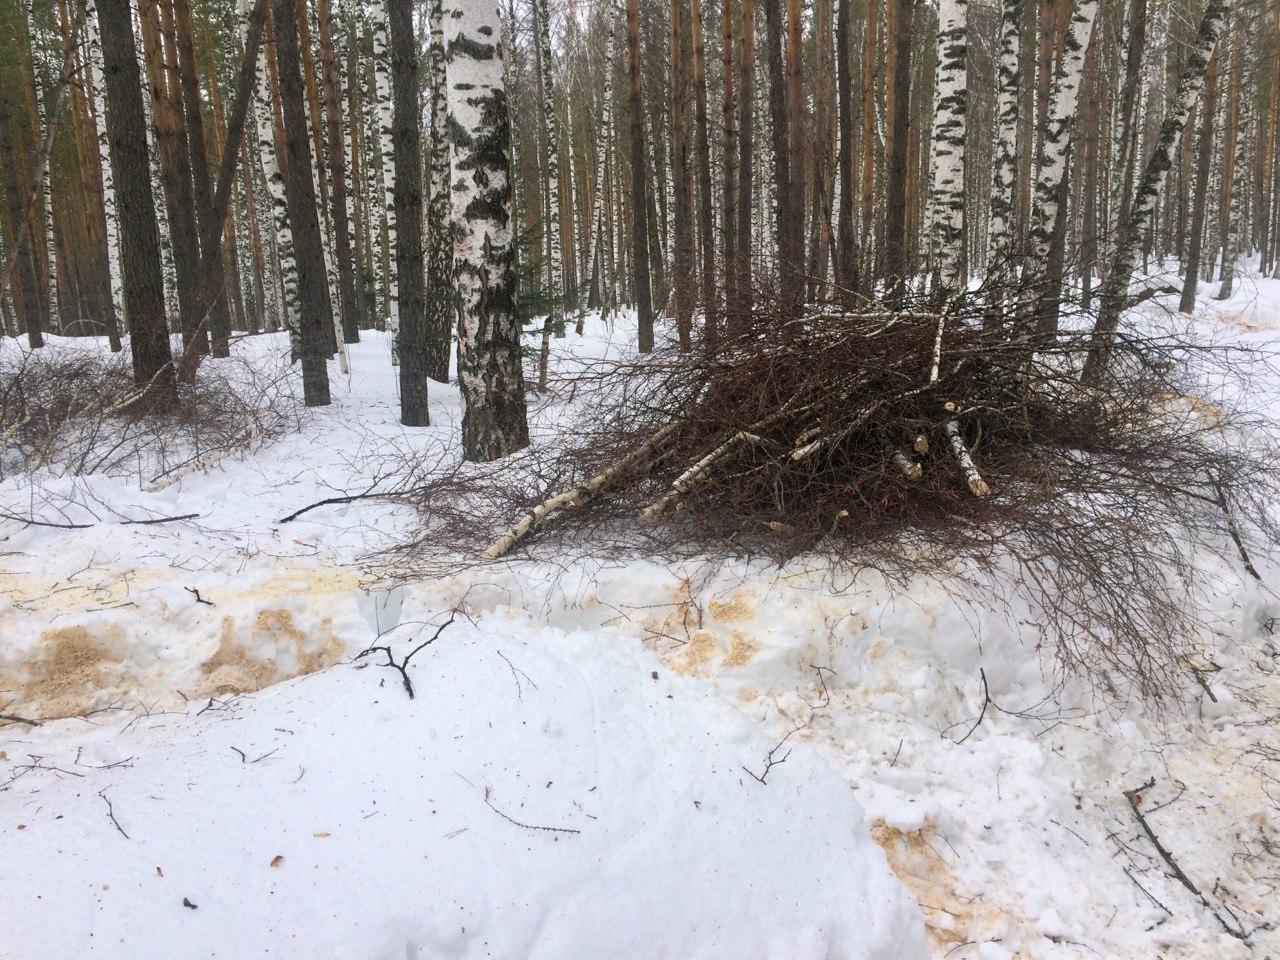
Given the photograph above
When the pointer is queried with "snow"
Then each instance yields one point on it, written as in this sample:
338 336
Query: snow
634 702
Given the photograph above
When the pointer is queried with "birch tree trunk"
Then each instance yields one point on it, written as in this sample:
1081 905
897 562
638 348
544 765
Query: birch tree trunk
1063 99
440 299
382 87
551 166
1115 287
264 115
946 194
111 216
702 155
1204 160
494 422
1237 232
1005 172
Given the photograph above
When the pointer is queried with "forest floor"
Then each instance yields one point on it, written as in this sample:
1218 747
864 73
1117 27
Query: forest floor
579 770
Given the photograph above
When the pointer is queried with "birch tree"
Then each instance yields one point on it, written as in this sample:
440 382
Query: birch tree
1052 160
1005 165
947 193
494 422
1115 287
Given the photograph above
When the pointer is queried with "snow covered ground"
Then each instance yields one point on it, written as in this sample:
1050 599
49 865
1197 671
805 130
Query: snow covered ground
578 772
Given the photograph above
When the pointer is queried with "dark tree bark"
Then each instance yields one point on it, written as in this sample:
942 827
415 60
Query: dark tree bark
702 154
212 271
682 187
1204 160
729 106
406 139
351 304
639 182
304 222
783 211
845 258
895 227
742 296
175 177
142 279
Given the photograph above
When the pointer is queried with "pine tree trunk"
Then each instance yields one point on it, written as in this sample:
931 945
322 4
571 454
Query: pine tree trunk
683 264
1115 287
702 154
639 184
744 293
823 135
212 272
175 173
494 422
729 178
895 228
142 282
304 222
406 141
337 167
846 244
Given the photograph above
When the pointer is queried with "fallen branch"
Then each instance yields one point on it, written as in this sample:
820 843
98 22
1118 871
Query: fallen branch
576 497
1134 797
977 486
403 666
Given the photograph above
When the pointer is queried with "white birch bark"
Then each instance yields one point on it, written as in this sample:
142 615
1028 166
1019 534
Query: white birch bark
97 83
1005 173
1242 168
264 117
1063 99
1115 287
551 162
494 422
382 82
593 261
946 195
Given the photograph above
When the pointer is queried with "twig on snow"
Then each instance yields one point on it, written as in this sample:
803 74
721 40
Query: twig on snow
111 813
403 666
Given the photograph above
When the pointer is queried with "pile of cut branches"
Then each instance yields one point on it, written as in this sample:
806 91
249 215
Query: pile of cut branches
925 439
74 411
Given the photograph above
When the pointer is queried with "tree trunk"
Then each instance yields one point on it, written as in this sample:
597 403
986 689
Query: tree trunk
1005 172
1115 287
846 246
304 222
683 261
702 153
1204 159
351 304
494 422
744 293
946 194
895 206
440 302
141 279
639 183
406 138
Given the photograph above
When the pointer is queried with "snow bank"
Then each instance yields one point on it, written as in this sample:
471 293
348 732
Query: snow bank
546 795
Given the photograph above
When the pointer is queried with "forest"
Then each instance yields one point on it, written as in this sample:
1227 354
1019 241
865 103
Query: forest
834 445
